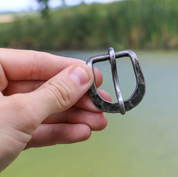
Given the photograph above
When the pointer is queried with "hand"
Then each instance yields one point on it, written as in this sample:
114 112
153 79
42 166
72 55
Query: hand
44 102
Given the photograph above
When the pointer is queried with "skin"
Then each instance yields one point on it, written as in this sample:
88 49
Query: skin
44 102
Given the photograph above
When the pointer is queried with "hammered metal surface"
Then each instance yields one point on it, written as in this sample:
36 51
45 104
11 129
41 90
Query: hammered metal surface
137 95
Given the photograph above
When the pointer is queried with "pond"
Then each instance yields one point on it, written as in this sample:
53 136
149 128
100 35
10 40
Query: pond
142 143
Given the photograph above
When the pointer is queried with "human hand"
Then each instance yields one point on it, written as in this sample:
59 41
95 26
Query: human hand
44 102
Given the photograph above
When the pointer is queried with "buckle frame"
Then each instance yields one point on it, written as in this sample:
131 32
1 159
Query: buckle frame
138 94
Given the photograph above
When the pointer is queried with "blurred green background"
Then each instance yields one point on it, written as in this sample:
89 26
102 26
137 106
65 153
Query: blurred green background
143 142
136 24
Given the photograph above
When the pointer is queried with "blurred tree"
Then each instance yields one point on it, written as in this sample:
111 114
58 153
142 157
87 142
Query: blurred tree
44 7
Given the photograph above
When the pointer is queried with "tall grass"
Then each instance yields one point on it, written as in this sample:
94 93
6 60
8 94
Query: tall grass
136 24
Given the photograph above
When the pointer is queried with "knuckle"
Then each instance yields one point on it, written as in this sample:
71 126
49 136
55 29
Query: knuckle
62 93
101 123
35 67
86 133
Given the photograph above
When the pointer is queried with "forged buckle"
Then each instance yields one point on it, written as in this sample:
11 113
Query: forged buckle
121 106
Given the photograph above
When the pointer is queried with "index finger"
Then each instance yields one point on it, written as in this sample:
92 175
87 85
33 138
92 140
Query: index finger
32 65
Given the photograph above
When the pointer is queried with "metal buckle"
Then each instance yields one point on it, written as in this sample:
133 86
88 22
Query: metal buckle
121 106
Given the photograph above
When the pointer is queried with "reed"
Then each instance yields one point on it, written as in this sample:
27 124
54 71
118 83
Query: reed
134 24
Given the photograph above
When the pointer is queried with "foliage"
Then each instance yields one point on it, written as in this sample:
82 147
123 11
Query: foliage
134 24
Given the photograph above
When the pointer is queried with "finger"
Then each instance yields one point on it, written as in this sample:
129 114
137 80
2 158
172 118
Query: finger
96 121
15 87
29 86
56 95
3 79
47 135
33 65
1 95
87 104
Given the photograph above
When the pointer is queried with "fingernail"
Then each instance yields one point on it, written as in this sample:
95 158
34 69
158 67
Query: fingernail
79 75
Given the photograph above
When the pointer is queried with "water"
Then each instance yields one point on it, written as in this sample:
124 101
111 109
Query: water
144 142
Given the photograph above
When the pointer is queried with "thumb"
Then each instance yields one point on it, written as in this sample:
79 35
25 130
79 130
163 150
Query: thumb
62 91
21 114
